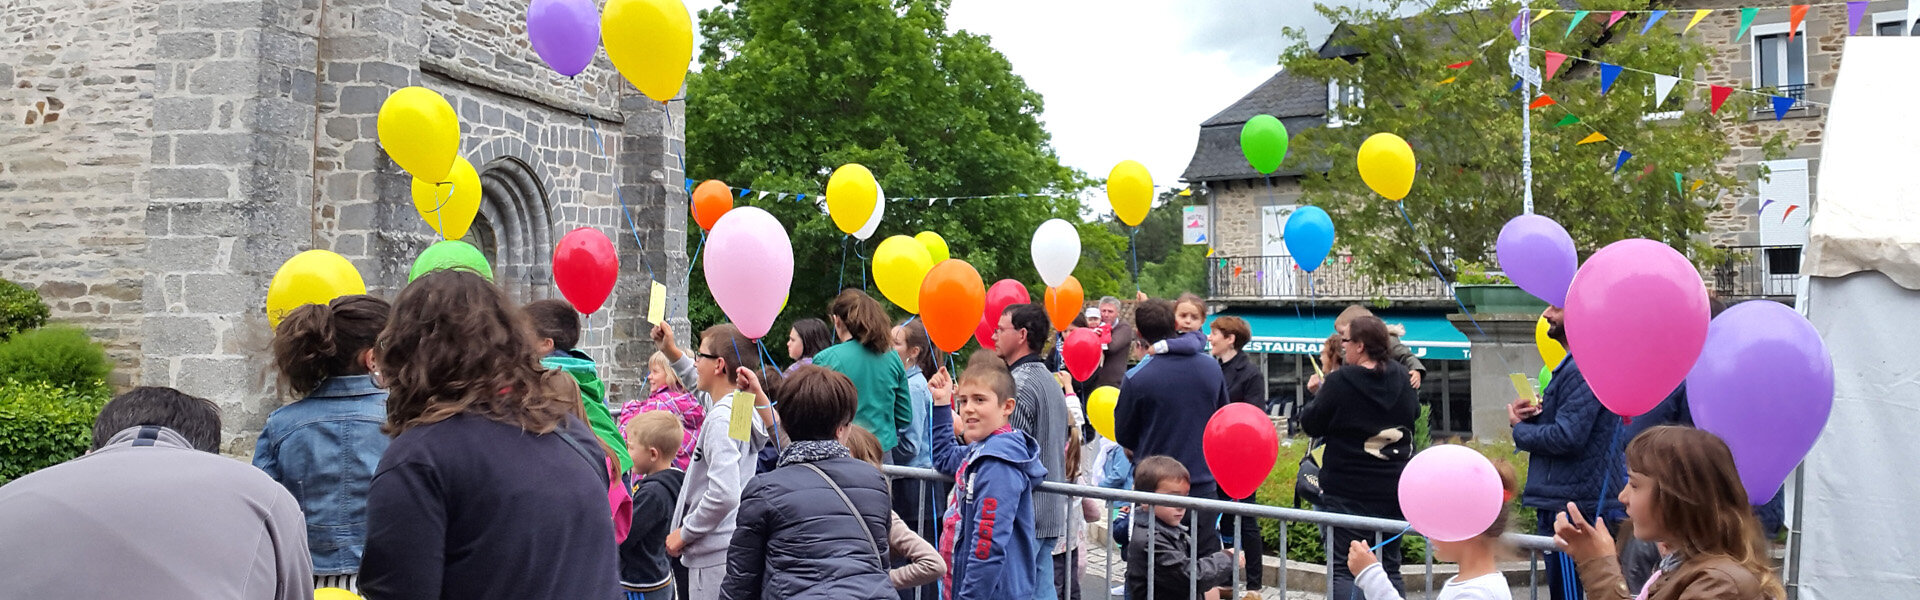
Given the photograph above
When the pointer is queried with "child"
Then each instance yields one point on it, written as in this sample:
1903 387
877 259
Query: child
1683 493
1479 577
1189 315
987 534
1396 349
1168 542
332 434
923 564
653 438
670 395
557 326
704 517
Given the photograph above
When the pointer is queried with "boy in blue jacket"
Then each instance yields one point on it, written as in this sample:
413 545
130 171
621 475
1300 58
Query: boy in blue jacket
987 535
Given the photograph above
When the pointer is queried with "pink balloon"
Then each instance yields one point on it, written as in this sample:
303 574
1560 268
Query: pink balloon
749 267
1450 493
1636 320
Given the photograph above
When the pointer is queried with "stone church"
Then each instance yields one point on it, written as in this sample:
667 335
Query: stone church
159 159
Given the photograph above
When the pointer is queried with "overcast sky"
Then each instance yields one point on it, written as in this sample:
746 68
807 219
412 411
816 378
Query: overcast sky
1133 79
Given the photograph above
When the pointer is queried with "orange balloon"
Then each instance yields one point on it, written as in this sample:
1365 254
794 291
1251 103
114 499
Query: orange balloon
1064 303
711 200
952 301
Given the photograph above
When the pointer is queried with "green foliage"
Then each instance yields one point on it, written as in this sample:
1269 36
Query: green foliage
61 356
1469 179
42 425
1473 273
1423 428
1167 266
789 89
20 309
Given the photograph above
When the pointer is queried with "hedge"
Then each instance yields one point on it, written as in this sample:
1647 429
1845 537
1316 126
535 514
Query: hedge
42 425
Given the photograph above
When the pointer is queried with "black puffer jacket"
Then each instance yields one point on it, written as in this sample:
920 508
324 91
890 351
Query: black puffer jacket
796 538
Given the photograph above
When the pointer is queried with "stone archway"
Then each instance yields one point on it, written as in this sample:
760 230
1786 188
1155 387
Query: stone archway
515 228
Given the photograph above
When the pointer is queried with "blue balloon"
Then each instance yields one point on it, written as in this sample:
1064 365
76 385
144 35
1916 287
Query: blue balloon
1309 236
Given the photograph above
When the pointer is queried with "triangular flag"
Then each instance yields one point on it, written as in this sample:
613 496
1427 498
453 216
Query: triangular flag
1624 155
1764 204
1553 63
1236 269
1614 18
1696 185
1577 16
1516 85
1698 15
1608 73
1662 86
1795 14
1519 25
1790 207
1542 15
1567 120
1855 10
1746 20
802 198
1651 20
1781 104
762 196
1209 252
1448 80
1543 100
1677 179
1460 65
1720 93
1591 138
743 193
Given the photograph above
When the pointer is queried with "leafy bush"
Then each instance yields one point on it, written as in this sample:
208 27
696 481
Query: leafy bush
42 425
20 309
62 356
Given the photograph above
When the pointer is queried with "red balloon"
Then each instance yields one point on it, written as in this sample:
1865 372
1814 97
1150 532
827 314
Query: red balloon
1241 447
1004 293
1082 353
585 267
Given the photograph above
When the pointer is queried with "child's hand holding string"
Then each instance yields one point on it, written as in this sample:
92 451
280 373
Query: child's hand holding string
1584 541
1359 557
941 388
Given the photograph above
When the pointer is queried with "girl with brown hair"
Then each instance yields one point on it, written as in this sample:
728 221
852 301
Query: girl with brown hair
491 468
865 355
323 448
1682 492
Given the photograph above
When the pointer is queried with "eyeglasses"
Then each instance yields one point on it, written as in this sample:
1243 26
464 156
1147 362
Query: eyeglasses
706 356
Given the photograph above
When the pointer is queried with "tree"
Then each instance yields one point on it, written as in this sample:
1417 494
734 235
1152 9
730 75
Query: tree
790 89
1467 133
1166 266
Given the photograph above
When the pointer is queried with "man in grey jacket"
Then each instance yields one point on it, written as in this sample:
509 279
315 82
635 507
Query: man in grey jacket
153 512
1040 409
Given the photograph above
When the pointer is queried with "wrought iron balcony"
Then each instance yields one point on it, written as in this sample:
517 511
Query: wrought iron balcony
1757 272
1245 278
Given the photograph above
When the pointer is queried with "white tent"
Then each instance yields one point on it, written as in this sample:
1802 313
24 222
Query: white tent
1861 493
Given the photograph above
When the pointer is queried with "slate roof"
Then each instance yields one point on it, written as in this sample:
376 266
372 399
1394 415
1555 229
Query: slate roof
1298 102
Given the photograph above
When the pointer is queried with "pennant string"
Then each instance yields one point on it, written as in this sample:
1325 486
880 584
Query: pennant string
1695 82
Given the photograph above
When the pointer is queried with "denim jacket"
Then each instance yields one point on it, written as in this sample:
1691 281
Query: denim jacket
324 449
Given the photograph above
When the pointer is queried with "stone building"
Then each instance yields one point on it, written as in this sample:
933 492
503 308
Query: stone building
159 159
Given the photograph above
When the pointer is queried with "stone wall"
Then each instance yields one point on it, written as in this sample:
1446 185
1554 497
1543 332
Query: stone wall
1237 229
76 106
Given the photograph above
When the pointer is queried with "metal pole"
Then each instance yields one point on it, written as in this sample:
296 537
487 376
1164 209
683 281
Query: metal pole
1149 542
1239 548
1526 124
1193 554
1283 558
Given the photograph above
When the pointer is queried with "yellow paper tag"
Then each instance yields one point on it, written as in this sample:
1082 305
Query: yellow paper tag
740 425
1524 387
657 303
1316 366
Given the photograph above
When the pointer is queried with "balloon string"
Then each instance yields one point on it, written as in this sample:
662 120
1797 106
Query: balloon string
639 247
1134 248
696 254
1450 288
843 265
440 215
863 263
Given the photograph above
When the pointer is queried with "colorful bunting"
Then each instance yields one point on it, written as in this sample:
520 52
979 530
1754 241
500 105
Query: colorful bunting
1448 80
1855 10
1516 85
1553 63
1746 21
1698 15
1543 14
1696 185
1662 86
1608 73
1795 14
1577 16
1567 120
1651 20
1782 104
1591 138
1677 179
1519 26
1790 207
1624 155
1614 18
1542 101
1720 93
1764 204
1460 65
1644 173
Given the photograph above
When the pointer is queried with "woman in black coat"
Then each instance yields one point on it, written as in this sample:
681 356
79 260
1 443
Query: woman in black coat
816 526
1245 383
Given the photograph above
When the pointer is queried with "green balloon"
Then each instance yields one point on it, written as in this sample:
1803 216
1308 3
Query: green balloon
451 254
1546 375
1264 141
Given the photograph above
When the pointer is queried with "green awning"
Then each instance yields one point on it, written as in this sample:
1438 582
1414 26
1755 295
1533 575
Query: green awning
1429 335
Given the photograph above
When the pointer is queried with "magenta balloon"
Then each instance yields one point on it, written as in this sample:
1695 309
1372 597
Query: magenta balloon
1636 319
1537 254
565 33
1450 493
1764 383
749 268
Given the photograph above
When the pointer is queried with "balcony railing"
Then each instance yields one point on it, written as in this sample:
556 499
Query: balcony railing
1757 272
1280 278
1796 91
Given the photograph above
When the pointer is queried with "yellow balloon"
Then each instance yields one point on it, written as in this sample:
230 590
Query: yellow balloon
936 246
899 265
650 42
851 194
449 207
1130 191
311 277
334 594
1386 164
420 131
1551 352
1100 405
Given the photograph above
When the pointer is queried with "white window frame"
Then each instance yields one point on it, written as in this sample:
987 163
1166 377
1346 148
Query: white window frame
1334 89
1890 16
1753 51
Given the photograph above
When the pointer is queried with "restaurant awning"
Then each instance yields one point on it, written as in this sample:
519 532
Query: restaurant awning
1429 335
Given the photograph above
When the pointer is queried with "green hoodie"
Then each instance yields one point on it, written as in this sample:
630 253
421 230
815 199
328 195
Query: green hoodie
593 394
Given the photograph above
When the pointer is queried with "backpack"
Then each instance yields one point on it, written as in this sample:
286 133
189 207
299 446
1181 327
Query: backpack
1306 485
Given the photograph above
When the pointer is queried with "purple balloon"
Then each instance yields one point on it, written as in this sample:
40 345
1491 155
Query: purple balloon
565 33
1537 254
1764 383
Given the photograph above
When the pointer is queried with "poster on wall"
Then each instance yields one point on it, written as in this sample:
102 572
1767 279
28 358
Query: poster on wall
1193 225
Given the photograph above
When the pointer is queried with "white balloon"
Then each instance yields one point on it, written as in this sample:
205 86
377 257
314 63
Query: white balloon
873 222
1056 251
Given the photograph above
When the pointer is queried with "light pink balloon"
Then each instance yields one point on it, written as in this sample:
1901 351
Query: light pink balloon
1450 493
749 267
1636 320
